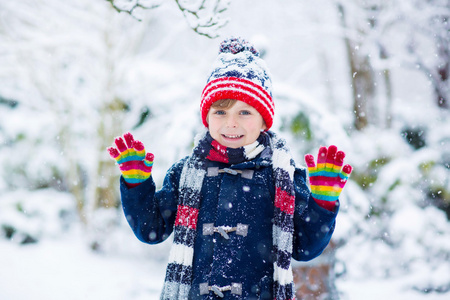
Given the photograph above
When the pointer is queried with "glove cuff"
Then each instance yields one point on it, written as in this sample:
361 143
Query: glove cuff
328 205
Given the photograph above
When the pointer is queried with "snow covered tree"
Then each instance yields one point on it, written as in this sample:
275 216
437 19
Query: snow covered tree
361 69
73 76
369 53
430 30
65 91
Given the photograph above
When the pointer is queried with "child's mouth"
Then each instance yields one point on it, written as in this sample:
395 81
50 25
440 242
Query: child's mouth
232 136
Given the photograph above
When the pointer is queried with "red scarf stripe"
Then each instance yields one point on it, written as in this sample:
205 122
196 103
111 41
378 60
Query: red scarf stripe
186 216
218 152
284 201
215 156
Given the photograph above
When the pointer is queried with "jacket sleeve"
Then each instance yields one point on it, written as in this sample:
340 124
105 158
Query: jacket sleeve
150 213
313 225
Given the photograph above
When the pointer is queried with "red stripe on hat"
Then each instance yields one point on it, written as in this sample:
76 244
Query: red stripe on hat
241 84
237 80
266 103
238 89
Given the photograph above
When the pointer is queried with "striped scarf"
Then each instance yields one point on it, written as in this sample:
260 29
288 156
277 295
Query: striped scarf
179 270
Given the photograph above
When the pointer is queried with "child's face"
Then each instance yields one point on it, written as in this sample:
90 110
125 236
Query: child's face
235 126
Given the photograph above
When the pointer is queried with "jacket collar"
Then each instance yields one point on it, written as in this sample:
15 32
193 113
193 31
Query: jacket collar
262 160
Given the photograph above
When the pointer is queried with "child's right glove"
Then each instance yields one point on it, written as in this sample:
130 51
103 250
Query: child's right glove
328 178
135 165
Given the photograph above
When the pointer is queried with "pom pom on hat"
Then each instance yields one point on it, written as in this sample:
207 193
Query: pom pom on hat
239 73
236 45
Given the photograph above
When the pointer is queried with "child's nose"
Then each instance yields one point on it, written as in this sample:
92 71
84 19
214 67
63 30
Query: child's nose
232 121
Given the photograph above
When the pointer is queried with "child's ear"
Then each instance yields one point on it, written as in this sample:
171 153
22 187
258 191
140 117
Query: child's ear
264 126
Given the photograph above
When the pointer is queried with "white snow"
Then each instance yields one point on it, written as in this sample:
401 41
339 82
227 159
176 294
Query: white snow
67 269
67 62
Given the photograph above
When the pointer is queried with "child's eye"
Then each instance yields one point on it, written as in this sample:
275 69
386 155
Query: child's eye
245 112
219 112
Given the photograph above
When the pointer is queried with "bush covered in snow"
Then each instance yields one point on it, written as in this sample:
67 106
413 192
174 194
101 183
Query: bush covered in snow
28 217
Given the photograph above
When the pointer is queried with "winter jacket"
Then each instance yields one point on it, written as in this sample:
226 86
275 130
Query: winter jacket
230 198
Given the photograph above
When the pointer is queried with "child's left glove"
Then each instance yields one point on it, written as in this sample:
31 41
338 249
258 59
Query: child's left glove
135 165
328 178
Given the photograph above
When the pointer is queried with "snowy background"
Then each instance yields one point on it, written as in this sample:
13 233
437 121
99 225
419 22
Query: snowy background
371 77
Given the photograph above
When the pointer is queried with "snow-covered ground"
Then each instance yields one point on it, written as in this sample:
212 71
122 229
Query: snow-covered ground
67 269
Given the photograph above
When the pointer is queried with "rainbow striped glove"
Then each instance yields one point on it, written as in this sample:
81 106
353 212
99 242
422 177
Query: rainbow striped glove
328 178
135 165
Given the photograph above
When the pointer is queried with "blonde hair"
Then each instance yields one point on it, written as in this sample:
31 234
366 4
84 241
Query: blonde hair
224 103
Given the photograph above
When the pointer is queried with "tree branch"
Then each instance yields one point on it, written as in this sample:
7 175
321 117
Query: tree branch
129 11
203 16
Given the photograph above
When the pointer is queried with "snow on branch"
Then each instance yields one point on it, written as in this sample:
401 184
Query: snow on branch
129 6
203 16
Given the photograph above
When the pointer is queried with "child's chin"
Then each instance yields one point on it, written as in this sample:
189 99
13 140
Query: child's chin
233 143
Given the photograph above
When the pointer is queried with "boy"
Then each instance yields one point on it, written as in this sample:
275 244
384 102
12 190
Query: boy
238 206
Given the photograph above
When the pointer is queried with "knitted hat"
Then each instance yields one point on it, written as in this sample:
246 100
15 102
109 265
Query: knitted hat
239 73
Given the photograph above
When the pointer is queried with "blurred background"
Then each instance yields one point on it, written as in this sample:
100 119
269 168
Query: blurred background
371 77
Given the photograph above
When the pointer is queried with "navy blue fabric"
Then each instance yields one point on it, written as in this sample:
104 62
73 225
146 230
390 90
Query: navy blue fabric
227 200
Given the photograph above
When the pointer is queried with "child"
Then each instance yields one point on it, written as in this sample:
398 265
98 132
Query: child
238 206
